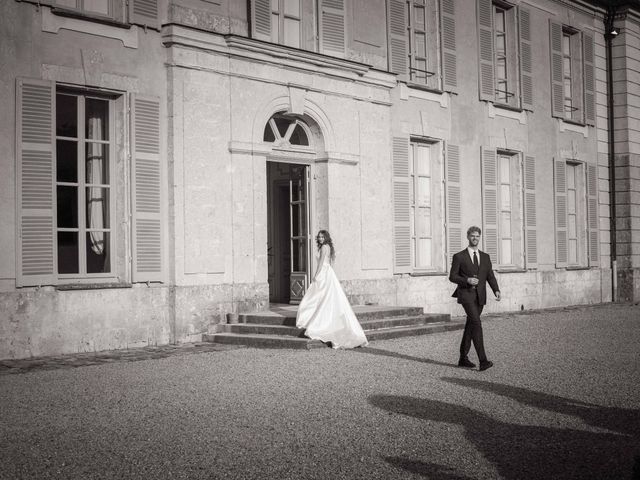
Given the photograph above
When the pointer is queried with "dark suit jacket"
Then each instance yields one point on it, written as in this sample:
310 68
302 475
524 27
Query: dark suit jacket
462 268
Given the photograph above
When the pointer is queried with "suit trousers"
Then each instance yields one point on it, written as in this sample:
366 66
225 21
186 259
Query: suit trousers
473 331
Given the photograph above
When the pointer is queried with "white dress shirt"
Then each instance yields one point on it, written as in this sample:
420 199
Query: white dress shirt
471 250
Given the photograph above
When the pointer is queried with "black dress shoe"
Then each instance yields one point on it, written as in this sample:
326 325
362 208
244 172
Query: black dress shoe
465 363
485 365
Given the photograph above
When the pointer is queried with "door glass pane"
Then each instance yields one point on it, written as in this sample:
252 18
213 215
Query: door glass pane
501 68
67 206
501 44
97 6
299 137
423 254
505 197
66 3
275 5
292 7
572 226
97 207
68 252
421 45
97 164
268 134
97 245
505 252
292 32
505 171
422 162
66 161
97 121
66 116
424 192
299 254
420 69
418 17
573 251
505 225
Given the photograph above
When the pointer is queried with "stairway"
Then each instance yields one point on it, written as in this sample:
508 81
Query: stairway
275 328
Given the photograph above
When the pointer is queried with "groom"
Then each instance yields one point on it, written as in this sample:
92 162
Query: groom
471 270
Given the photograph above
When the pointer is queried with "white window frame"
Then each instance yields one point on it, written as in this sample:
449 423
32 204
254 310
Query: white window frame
573 92
115 8
577 191
279 17
429 73
436 236
507 86
515 209
82 228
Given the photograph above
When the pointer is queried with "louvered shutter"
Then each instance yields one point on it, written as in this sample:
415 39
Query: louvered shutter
332 27
485 44
560 187
35 122
448 41
401 206
454 204
398 41
592 213
261 20
589 79
144 12
557 87
147 190
490 202
530 217
526 59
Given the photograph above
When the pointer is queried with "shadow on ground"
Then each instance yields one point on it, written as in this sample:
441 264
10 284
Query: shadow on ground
388 353
527 451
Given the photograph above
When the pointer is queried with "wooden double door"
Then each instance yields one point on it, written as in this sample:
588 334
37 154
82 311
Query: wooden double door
288 231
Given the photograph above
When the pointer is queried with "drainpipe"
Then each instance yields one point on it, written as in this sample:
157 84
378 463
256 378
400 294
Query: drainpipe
609 34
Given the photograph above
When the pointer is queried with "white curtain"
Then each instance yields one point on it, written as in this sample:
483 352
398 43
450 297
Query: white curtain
95 195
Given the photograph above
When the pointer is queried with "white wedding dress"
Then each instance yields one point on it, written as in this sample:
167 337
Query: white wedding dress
325 312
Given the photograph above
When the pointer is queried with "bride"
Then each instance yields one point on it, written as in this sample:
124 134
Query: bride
324 311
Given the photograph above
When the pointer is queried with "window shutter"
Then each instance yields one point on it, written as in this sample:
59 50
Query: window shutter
332 27
144 12
485 43
261 20
454 204
36 261
398 47
592 212
589 79
557 88
448 41
147 190
560 181
526 61
401 206
531 226
490 202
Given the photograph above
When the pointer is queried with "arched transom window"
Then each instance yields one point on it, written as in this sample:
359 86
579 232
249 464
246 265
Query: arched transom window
285 131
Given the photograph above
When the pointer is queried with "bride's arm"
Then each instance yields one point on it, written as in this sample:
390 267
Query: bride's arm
323 254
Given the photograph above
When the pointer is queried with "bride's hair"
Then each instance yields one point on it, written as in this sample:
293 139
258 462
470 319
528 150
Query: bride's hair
327 241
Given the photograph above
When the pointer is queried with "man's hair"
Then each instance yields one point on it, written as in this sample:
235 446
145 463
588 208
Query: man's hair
474 229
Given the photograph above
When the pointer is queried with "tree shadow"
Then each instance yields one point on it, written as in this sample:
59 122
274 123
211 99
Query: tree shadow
388 353
621 420
430 470
524 451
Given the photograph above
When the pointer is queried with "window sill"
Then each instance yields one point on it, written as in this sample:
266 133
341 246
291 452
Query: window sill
424 88
504 106
577 267
91 286
428 274
510 270
65 12
414 90
498 110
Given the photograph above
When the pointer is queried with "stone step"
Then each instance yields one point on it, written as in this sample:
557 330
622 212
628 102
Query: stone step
288 317
367 325
285 338
262 341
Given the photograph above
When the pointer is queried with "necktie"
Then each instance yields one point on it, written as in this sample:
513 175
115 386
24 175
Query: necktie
475 259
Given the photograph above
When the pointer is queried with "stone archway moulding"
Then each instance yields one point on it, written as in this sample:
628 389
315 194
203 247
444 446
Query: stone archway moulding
283 104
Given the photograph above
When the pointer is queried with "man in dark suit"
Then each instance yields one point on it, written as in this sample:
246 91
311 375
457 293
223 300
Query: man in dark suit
471 270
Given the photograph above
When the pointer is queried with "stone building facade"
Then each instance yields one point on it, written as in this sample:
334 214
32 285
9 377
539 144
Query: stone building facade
166 162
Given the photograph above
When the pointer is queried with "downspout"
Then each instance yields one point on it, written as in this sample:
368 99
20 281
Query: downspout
609 36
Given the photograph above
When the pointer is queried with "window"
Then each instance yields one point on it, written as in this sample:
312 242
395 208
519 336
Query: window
505 54
425 205
572 74
83 184
113 9
510 221
576 215
422 42
286 131
422 30
503 207
285 22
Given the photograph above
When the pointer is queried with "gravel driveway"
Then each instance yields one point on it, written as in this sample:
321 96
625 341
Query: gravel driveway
562 402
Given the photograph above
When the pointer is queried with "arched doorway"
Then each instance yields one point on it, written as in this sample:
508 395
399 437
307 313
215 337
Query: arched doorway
289 206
